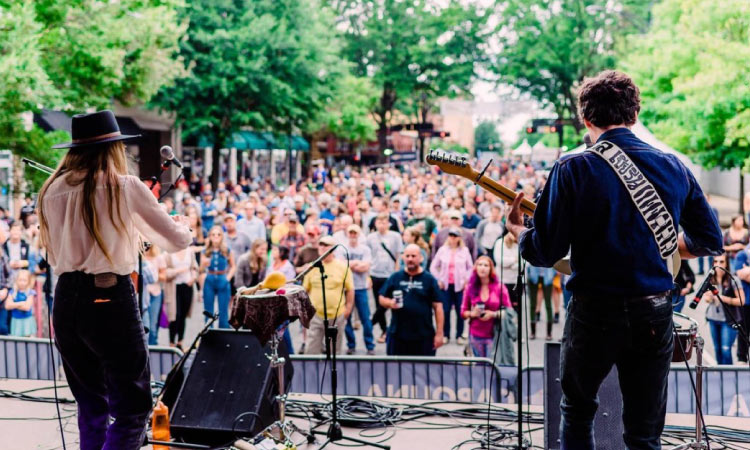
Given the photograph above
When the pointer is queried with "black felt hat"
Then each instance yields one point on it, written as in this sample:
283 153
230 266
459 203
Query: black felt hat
95 128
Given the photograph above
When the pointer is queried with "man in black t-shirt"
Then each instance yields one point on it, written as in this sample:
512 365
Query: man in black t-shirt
411 332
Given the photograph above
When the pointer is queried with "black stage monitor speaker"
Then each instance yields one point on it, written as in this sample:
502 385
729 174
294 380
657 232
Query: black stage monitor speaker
229 390
608 420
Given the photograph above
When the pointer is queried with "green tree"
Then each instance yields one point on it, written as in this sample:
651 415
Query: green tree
695 86
547 48
415 52
347 116
269 64
691 69
486 138
74 55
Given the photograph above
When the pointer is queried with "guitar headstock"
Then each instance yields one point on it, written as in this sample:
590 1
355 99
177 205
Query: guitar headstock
452 163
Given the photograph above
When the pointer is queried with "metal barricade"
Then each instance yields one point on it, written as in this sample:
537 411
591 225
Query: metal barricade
429 378
726 388
29 358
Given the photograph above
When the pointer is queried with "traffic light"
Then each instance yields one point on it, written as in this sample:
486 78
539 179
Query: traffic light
530 130
388 152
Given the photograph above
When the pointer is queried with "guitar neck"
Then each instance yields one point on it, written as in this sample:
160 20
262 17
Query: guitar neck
505 194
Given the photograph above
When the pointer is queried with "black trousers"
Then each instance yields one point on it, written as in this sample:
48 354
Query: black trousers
105 358
636 336
379 317
742 347
184 297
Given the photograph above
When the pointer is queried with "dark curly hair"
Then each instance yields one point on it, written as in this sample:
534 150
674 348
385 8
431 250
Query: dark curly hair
609 98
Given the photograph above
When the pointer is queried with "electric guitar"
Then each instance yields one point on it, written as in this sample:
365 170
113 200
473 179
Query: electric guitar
458 165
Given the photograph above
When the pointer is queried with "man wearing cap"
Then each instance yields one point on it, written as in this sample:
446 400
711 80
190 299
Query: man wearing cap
339 296
411 332
250 225
208 210
299 208
294 238
281 229
360 258
455 221
309 252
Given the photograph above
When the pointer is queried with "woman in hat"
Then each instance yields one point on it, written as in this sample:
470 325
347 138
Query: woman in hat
92 216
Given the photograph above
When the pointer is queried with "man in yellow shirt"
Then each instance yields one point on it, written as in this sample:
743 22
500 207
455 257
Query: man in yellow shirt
339 299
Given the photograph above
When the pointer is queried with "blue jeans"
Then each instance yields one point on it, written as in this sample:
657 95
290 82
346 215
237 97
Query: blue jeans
636 336
678 302
100 337
217 286
567 295
4 330
361 302
154 314
452 300
723 336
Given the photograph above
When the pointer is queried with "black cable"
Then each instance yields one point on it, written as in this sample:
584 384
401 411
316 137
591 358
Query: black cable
51 354
497 338
727 312
343 288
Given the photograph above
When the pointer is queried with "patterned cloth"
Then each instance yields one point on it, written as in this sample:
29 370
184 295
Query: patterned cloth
266 310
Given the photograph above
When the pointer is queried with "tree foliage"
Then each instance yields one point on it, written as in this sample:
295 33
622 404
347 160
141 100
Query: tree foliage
263 63
414 52
347 115
695 86
486 136
73 55
548 47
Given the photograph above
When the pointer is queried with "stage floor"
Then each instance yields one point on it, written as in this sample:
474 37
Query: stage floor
28 425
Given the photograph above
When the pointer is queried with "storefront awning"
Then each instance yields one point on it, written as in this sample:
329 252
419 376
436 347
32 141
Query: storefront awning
254 140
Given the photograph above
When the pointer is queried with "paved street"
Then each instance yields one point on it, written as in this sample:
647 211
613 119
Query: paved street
534 349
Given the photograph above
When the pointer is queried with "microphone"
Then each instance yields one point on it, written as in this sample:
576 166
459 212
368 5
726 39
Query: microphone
587 140
168 154
209 315
315 263
706 286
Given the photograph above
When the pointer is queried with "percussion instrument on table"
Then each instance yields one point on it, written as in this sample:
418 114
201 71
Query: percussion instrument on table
264 310
267 313
685 332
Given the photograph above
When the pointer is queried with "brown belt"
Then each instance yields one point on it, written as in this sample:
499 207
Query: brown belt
221 272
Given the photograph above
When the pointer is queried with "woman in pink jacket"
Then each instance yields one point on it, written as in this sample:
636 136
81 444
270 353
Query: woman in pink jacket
484 297
452 267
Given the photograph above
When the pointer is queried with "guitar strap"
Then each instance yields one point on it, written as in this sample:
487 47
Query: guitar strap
646 199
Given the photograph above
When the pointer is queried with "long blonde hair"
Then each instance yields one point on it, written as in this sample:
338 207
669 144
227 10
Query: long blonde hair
223 248
257 263
109 158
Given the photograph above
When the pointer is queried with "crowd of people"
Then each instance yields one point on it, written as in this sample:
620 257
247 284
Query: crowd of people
421 260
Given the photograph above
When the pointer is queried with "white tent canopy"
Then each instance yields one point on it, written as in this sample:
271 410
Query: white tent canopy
522 150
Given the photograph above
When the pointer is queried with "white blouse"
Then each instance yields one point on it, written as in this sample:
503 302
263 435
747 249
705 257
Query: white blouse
71 247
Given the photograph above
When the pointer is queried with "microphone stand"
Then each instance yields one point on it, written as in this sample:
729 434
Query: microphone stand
334 432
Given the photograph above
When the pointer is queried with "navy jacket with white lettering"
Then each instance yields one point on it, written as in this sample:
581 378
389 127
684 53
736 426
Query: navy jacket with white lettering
585 208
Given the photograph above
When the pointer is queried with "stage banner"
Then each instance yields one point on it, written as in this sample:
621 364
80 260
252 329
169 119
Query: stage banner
726 390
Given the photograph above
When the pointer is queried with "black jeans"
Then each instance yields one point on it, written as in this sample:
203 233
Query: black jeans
103 347
183 299
636 336
379 316
742 347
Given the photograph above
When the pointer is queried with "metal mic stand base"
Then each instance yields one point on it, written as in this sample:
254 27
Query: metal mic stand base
698 442
282 427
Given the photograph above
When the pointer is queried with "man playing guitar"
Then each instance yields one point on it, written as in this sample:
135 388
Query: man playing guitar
617 215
